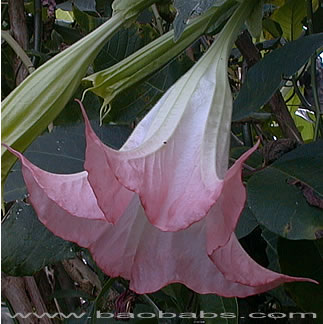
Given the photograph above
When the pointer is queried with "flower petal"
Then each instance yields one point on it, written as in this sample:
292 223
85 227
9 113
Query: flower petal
111 196
232 257
223 216
152 259
72 193
135 249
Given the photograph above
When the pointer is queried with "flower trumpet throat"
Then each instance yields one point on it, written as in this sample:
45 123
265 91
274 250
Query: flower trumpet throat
164 207
177 157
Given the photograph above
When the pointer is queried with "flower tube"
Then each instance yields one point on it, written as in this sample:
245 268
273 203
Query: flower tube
178 168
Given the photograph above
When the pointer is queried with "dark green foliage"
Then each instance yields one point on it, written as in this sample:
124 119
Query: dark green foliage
27 245
265 77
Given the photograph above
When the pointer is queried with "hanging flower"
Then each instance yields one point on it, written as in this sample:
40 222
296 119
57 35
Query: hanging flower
177 157
138 251
164 207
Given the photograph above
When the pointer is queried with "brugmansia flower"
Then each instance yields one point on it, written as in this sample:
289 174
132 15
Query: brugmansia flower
164 207
136 250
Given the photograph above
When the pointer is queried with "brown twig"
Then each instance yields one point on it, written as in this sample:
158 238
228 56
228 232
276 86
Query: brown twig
83 275
18 29
24 297
276 103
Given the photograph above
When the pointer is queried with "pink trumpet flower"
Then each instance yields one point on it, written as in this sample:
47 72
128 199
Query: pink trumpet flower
138 251
164 207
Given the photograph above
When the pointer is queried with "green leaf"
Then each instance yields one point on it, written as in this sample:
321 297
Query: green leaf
225 308
272 27
277 195
254 21
29 109
124 43
185 9
104 7
271 250
27 246
247 223
83 5
263 80
305 127
303 259
272 255
86 21
70 35
290 17
179 293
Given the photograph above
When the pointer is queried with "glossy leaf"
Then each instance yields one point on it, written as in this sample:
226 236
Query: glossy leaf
273 258
83 5
276 194
290 17
263 80
185 9
86 21
27 246
254 21
225 308
302 258
272 27
247 223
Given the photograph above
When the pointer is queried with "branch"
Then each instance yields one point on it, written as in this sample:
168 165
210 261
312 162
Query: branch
66 283
18 29
24 297
37 28
83 275
276 103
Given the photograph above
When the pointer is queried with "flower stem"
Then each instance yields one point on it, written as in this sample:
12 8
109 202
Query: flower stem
18 50
303 100
233 26
158 19
151 302
107 285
